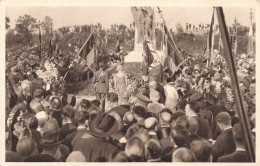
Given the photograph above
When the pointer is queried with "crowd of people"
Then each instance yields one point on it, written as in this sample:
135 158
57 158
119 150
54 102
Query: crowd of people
162 123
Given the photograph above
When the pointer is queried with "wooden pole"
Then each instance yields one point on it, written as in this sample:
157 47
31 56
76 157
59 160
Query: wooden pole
243 116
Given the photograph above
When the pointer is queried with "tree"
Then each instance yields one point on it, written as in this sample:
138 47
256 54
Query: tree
47 24
25 26
7 21
179 28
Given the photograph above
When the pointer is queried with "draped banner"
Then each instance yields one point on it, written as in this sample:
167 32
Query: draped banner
87 51
171 57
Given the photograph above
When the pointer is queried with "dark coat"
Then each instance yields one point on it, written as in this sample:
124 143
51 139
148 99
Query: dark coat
78 135
67 133
204 128
95 149
237 156
168 146
224 144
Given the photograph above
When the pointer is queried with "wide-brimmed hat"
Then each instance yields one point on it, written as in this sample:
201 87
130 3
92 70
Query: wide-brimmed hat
50 139
103 125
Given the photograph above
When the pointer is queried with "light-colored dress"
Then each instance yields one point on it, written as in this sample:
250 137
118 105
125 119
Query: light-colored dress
120 86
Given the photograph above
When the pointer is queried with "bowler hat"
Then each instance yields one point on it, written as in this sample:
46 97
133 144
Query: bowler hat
50 139
103 125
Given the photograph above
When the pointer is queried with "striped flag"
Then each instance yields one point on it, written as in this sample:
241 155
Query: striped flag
87 52
172 58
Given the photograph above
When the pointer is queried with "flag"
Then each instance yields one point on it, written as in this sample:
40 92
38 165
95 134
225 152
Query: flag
50 43
87 52
40 39
172 49
117 45
210 44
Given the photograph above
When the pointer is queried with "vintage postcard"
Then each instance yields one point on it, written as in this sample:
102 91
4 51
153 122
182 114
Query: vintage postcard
102 81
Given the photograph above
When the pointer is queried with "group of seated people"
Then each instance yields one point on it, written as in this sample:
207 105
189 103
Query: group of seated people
57 128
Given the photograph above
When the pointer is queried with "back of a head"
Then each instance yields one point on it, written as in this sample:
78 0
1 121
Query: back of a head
152 85
180 135
142 134
76 156
112 97
183 121
36 106
68 111
84 105
165 118
150 123
183 155
32 122
131 131
134 149
25 146
128 118
202 150
96 102
153 149
38 93
223 118
139 110
55 103
118 157
238 134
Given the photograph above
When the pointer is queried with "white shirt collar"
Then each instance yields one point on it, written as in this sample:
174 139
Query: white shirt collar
228 128
240 149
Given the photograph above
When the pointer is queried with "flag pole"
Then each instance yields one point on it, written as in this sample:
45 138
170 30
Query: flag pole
40 39
164 22
78 54
243 116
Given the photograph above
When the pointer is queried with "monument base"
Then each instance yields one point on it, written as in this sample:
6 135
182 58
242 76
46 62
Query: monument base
136 55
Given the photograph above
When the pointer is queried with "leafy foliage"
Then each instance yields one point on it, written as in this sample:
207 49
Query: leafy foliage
7 21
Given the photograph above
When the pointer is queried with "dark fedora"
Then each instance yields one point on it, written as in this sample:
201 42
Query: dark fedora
50 139
103 125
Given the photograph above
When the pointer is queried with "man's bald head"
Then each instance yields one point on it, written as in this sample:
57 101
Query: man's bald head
183 155
25 146
76 156
134 149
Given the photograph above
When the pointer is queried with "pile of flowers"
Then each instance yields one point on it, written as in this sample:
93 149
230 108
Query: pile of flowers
49 73
210 80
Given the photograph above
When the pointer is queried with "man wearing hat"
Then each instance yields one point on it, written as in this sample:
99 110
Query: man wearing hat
98 148
101 84
142 100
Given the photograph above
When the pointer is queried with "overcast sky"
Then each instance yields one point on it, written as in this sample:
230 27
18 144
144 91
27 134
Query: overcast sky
64 16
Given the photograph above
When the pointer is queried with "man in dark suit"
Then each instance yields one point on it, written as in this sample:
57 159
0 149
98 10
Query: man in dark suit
224 144
192 110
98 148
101 82
240 155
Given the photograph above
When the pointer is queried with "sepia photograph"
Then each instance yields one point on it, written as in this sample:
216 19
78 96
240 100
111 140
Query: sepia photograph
130 84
